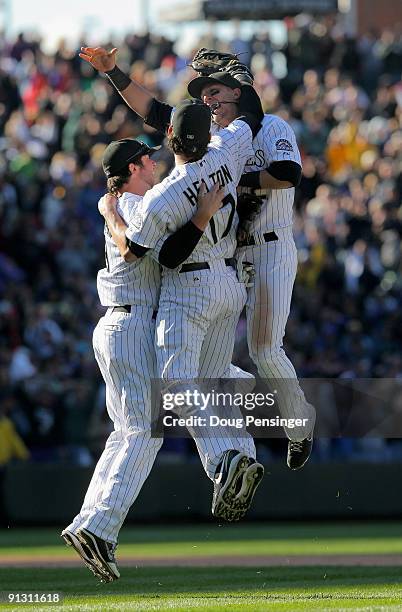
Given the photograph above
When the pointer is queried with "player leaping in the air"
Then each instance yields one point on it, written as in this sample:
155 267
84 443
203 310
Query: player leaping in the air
201 301
123 342
269 243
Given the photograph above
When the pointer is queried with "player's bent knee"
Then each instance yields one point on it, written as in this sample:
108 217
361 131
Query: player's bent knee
144 431
265 353
148 439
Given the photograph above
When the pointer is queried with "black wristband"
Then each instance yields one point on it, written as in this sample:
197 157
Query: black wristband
250 179
118 79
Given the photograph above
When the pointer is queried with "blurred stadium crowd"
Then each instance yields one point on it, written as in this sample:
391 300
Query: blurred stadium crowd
343 97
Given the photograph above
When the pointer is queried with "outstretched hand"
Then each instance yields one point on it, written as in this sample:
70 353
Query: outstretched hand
99 58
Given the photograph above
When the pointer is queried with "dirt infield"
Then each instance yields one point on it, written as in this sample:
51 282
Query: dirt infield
208 561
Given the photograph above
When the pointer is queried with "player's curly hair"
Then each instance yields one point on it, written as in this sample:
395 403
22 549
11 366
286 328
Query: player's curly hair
115 183
193 153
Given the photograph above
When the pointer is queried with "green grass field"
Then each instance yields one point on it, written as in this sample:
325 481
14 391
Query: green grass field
257 587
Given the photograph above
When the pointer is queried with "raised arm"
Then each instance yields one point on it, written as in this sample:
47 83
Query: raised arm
137 97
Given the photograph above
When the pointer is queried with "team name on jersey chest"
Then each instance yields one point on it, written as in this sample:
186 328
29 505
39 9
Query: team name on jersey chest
222 176
257 161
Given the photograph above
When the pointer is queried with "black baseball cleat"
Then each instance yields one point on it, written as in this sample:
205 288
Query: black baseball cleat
235 482
71 539
101 554
299 452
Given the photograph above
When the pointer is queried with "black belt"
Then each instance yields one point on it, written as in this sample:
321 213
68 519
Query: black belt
127 308
250 240
204 265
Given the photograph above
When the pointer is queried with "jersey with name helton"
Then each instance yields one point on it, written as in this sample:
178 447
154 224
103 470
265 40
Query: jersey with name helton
172 203
121 282
274 142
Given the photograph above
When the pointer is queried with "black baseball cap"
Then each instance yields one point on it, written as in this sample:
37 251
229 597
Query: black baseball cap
119 153
192 122
196 86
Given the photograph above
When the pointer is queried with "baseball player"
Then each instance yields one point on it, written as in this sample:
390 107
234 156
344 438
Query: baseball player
269 244
234 465
123 342
200 304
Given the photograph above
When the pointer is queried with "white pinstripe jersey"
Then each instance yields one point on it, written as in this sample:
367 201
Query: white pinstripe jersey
275 141
173 202
121 282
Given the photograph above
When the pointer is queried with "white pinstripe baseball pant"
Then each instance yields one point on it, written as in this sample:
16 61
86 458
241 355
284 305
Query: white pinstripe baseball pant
124 349
267 308
196 324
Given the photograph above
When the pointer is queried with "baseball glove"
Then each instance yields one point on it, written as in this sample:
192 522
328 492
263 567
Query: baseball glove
208 61
248 207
